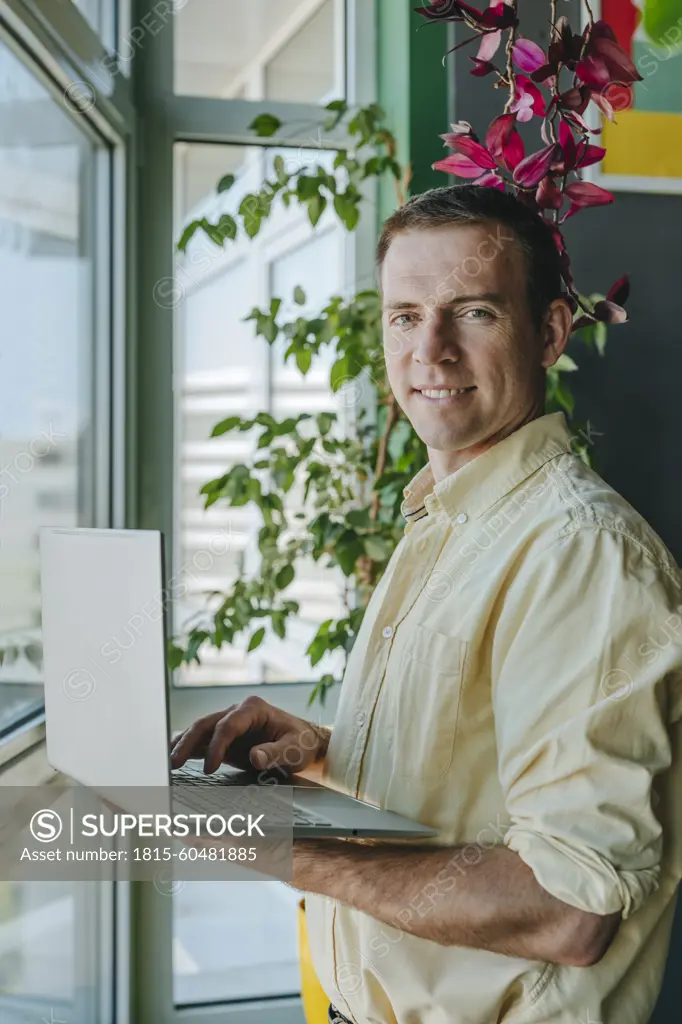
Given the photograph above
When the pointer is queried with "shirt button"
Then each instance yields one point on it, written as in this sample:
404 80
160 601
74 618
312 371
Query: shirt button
387 631
360 718
462 517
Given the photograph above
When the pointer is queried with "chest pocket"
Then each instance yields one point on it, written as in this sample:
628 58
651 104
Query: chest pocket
425 698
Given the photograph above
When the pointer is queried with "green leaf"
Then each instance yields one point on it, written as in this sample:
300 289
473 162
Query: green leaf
304 358
340 372
176 656
359 519
265 125
225 425
188 233
284 577
195 641
316 207
565 363
226 182
257 639
347 210
324 422
250 210
377 548
299 296
600 336
278 626
227 227
34 653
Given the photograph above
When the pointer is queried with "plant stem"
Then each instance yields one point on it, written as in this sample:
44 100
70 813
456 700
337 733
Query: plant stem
391 420
510 64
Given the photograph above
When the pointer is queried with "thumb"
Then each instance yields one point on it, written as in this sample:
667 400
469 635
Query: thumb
265 755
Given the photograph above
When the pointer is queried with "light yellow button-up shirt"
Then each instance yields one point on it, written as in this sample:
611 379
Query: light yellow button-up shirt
517 679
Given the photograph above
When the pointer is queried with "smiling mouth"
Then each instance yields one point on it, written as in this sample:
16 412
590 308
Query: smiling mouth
440 394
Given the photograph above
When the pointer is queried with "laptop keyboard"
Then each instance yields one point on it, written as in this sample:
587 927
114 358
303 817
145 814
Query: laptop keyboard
205 796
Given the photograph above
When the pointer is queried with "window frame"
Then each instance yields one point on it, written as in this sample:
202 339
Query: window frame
59 47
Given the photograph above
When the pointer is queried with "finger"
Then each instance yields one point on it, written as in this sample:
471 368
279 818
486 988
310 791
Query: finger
240 720
194 738
275 755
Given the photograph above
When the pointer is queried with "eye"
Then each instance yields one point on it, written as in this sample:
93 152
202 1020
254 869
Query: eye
402 320
479 313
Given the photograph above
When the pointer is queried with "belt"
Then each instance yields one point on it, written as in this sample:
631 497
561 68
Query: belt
334 1017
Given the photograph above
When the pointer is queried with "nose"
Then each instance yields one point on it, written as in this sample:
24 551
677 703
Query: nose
437 340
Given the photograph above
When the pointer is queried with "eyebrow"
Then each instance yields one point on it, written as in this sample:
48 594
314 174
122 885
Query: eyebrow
484 297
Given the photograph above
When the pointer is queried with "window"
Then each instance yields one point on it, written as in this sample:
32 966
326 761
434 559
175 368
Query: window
267 49
234 941
52 938
49 171
227 370
101 14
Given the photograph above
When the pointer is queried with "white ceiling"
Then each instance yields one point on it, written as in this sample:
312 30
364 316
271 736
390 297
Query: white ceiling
217 41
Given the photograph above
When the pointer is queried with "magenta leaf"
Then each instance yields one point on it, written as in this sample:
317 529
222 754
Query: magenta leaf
585 193
498 133
491 180
602 30
604 105
504 143
528 56
594 72
610 312
567 143
458 164
476 152
533 168
483 67
615 58
490 44
620 291
548 195
574 99
499 15
590 155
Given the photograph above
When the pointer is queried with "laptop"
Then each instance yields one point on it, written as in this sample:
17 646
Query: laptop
107 714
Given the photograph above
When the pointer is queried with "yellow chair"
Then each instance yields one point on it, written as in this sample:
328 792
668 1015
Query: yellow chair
315 1002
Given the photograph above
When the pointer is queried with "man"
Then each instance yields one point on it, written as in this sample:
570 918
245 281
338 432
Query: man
516 682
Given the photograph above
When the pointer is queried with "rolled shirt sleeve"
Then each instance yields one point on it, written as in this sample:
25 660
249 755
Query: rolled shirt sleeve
586 649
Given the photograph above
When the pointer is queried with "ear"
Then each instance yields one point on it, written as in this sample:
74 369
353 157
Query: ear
556 330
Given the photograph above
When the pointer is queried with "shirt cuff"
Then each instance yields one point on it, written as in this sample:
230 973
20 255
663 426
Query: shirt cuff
580 876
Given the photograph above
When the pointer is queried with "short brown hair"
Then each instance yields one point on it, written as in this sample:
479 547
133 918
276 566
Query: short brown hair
474 204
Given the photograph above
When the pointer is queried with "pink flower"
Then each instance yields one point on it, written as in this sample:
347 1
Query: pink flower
528 100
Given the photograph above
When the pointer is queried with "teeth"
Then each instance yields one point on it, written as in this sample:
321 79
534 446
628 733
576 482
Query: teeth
443 393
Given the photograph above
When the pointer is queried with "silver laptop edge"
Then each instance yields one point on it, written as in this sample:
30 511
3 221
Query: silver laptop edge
107 682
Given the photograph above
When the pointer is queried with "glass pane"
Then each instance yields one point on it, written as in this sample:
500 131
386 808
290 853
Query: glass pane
227 370
234 941
101 14
54 953
46 430
266 49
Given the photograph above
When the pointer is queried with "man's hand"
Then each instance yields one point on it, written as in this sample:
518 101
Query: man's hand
252 734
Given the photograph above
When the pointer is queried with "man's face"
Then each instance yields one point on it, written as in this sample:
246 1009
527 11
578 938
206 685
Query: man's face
455 315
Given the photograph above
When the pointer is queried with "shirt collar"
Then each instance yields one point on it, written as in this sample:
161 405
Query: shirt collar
475 487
